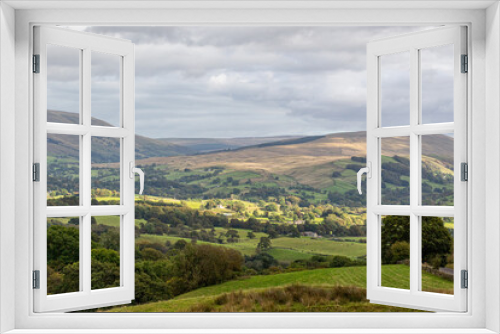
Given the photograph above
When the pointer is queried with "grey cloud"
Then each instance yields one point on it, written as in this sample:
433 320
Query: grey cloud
245 81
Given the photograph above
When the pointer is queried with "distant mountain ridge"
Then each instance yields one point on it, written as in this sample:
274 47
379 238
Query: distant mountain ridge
204 145
308 160
103 149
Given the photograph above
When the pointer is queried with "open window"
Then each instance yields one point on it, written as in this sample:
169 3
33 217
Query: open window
84 145
411 194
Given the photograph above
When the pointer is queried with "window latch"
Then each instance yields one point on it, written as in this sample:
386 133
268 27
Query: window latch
368 171
133 170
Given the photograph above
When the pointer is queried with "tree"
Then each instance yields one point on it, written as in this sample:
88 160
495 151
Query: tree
232 236
400 251
273 234
264 244
336 174
239 206
295 232
210 205
271 207
62 246
250 235
75 221
436 239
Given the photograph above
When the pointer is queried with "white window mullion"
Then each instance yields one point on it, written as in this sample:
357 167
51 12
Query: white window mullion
128 178
414 170
85 249
373 183
85 193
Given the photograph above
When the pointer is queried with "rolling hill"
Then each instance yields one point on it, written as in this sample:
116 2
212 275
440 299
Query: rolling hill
204 145
394 275
307 160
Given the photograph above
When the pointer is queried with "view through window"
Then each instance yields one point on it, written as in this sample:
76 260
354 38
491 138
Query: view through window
250 139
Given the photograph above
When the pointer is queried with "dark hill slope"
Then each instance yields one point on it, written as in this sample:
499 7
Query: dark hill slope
104 149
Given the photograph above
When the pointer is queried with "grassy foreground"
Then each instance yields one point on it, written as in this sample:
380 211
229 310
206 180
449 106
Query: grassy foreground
252 289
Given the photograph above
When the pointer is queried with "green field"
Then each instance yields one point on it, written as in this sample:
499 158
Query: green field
331 277
283 248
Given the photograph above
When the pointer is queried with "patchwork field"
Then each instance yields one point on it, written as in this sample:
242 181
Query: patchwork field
283 248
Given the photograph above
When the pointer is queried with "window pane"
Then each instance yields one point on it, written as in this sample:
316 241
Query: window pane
63 170
63 255
63 84
105 171
395 169
437 66
395 252
437 170
395 89
106 89
105 252
437 254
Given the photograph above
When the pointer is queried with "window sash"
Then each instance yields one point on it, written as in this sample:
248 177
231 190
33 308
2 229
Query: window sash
414 298
85 298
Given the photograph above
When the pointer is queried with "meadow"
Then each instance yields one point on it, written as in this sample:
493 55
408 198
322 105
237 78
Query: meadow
319 278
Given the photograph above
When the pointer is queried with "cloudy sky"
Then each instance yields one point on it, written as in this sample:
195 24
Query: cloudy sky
241 81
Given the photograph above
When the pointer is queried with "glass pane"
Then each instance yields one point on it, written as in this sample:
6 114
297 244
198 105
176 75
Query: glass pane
105 252
106 89
437 255
437 170
63 84
395 89
63 170
437 66
63 255
105 171
395 178
395 252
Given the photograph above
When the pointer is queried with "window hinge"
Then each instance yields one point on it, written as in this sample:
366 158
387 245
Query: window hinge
36 63
36 172
464 171
36 279
465 64
465 279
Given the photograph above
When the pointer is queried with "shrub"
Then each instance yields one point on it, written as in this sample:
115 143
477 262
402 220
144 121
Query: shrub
400 251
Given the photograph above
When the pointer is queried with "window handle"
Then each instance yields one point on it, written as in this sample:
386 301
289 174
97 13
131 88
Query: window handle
368 171
133 171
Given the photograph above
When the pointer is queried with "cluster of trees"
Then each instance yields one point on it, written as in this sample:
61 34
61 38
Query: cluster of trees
319 261
437 241
162 271
62 176
64 201
63 256
162 218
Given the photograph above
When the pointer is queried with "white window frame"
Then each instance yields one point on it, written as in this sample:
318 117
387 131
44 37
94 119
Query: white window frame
412 44
86 44
483 100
